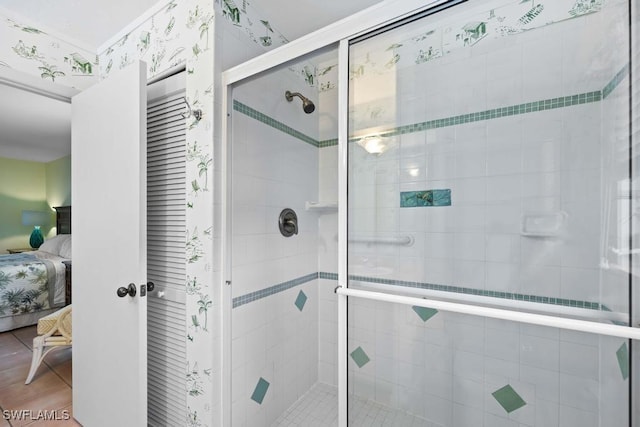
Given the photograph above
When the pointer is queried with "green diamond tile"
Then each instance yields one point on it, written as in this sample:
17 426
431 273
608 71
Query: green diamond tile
508 398
301 300
360 357
424 312
623 360
260 391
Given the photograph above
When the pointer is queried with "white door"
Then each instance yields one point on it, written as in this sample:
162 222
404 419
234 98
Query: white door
108 166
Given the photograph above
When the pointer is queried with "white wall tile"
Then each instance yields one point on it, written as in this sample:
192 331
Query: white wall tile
466 416
469 246
573 417
505 161
540 352
500 370
502 345
503 188
537 251
438 410
469 191
580 284
469 274
467 365
468 393
577 392
541 281
580 360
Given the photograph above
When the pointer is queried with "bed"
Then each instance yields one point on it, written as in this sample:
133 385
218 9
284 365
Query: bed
35 284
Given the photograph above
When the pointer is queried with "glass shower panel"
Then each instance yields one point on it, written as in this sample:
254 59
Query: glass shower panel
413 366
283 319
489 165
489 157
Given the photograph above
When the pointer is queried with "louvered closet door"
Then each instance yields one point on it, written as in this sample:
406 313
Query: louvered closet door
166 189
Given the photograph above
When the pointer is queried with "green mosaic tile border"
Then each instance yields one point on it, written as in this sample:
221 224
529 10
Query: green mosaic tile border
328 143
512 110
484 293
495 113
329 276
610 87
255 114
272 290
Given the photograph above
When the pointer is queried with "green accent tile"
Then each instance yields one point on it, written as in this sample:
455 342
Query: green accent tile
360 357
441 197
260 391
424 312
301 300
508 398
411 199
623 360
248 111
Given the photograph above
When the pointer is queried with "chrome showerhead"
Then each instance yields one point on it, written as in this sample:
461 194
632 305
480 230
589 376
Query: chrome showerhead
307 105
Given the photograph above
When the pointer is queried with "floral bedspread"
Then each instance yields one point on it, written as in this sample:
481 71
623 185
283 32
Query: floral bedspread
25 284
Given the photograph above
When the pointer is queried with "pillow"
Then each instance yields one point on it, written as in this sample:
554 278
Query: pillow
53 244
65 249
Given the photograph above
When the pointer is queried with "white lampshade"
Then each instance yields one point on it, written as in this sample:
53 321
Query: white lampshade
35 218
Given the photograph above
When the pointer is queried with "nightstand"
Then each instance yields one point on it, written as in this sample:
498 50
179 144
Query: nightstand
20 250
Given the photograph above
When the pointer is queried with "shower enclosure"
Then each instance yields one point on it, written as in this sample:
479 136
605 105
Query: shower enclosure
464 195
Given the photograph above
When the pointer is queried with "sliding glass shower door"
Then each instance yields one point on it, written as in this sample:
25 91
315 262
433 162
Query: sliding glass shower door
490 165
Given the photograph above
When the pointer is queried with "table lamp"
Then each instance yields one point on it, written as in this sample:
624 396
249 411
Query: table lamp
35 219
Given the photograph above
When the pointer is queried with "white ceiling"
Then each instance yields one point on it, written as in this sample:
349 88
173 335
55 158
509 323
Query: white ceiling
87 22
34 127
39 129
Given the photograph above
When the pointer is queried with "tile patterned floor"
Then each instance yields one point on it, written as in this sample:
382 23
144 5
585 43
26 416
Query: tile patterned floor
319 408
50 389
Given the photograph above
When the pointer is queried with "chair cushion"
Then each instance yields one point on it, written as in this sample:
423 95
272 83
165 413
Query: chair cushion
48 322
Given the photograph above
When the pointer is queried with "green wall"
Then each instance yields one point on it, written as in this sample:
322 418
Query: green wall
59 182
26 185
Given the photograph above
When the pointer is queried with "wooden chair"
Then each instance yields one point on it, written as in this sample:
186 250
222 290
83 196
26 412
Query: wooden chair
54 331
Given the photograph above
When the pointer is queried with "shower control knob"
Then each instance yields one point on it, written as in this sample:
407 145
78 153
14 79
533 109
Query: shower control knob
288 222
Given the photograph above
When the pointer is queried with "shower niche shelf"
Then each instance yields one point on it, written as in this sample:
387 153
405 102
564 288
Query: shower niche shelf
322 207
547 224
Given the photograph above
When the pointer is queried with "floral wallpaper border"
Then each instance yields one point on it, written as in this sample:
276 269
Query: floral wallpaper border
435 43
26 48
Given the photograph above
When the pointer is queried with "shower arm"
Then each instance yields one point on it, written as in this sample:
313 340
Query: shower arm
289 95
307 105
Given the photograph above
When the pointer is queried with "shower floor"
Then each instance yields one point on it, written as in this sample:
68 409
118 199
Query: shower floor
319 408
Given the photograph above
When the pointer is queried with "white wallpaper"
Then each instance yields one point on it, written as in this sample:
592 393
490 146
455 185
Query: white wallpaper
26 48
182 32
